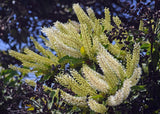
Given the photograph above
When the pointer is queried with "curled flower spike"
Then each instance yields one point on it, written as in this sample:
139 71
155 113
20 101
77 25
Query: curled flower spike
120 95
95 79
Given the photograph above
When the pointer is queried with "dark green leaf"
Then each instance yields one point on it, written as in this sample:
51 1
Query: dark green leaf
97 97
46 77
105 46
52 93
145 46
139 88
71 60
129 38
8 71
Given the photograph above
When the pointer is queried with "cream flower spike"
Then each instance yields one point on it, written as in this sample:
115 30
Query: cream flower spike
95 79
111 62
107 20
117 21
78 101
120 95
133 60
76 83
136 76
91 14
33 60
82 16
108 66
99 108
51 37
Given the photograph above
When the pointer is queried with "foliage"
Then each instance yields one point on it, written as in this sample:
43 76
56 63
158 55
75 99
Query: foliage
9 87
18 97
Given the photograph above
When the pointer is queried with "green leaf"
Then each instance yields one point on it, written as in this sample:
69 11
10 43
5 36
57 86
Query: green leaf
45 77
75 109
130 38
7 78
157 111
145 46
71 60
139 88
8 71
97 97
106 46
12 83
52 94
146 30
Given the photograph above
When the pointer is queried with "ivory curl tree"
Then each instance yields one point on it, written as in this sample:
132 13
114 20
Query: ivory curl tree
77 43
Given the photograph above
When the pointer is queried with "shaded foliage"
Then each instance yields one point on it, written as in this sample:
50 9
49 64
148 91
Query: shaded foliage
17 96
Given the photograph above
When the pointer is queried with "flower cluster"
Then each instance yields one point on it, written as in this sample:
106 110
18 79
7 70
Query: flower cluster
114 74
87 39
